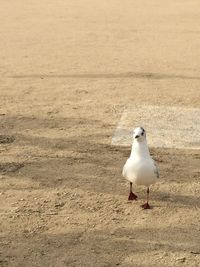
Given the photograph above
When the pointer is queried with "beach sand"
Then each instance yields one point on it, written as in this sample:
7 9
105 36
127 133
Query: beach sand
68 70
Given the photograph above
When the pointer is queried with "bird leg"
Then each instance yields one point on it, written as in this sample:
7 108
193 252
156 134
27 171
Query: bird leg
132 196
146 205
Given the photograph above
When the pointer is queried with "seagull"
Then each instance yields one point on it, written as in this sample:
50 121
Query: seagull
140 168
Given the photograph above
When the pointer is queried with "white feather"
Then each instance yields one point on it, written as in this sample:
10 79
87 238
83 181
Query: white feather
140 168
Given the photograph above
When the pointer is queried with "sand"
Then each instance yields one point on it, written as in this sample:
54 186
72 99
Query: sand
68 70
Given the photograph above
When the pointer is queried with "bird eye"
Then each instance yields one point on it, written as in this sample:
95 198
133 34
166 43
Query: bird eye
142 133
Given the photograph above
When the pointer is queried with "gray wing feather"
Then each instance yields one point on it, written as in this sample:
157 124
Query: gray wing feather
156 170
124 171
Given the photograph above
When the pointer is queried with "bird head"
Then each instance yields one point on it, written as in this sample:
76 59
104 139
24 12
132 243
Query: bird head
139 134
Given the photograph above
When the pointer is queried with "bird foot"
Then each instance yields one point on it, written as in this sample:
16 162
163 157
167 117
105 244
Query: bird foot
132 196
146 206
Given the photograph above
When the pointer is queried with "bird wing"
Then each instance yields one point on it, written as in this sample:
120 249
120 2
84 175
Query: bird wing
156 169
125 169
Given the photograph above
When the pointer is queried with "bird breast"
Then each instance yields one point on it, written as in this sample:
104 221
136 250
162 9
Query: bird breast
140 171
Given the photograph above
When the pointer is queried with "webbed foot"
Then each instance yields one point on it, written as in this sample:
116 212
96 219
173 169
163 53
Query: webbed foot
132 196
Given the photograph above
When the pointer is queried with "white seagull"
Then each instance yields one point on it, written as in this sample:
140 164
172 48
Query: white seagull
140 168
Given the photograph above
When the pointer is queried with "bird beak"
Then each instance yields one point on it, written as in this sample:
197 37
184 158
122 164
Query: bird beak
136 136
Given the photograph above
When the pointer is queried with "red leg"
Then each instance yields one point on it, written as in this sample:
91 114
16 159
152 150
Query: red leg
132 196
146 205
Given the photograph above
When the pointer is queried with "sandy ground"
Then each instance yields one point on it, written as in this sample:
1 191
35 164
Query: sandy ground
67 71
